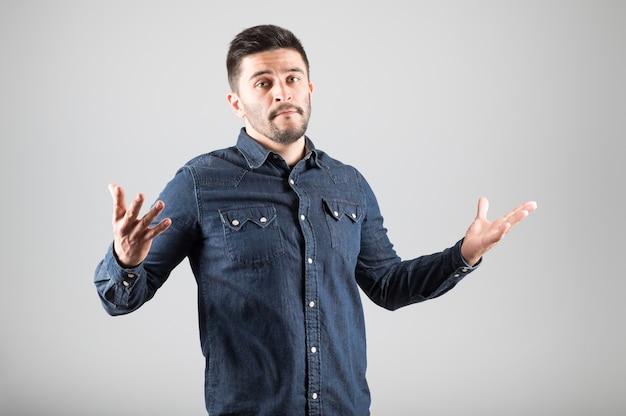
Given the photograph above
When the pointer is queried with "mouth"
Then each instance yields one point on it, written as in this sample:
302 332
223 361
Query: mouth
285 111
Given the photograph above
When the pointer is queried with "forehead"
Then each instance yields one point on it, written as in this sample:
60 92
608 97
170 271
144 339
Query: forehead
275 62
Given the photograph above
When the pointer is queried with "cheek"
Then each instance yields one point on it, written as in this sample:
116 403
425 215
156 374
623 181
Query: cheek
255 103
254 111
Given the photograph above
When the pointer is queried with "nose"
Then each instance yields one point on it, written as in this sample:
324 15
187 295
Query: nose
281 92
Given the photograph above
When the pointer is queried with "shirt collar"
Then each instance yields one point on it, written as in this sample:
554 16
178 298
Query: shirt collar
256 154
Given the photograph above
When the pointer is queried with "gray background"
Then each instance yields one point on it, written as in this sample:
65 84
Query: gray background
437 103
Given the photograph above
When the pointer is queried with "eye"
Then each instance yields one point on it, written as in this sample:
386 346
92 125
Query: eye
293 79
261 84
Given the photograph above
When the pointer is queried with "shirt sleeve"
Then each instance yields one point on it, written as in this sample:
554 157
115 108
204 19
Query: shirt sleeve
122 290
392 282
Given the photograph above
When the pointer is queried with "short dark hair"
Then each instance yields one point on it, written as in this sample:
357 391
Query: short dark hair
257 39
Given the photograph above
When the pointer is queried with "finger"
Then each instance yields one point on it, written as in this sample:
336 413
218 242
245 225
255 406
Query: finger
152 213
520 212
163 225
119 205
517 217
483 207
135 207
530 206
526 206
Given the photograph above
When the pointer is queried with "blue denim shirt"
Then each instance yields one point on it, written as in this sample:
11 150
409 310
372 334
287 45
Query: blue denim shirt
279 254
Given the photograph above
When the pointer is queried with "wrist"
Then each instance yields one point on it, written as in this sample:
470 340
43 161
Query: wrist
124 263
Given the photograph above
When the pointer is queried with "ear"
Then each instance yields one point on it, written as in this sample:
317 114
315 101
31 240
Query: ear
235 104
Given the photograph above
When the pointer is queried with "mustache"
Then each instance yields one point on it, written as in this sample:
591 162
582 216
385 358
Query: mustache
285 107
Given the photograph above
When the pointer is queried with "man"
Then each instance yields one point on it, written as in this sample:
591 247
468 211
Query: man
280 237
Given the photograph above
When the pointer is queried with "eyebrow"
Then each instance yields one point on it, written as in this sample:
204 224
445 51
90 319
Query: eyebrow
266 71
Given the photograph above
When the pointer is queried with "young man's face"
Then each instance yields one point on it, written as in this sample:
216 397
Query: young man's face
274 96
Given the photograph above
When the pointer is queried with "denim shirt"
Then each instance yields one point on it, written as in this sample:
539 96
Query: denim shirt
279 254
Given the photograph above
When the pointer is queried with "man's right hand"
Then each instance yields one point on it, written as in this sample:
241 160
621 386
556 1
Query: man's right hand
133 235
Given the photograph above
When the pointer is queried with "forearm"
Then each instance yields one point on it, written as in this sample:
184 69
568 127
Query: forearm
121 290
402 283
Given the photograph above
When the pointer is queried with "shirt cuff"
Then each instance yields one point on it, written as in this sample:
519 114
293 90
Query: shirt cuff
457 249
121 275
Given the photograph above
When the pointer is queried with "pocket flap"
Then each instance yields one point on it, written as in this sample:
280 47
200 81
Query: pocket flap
261 215
338 208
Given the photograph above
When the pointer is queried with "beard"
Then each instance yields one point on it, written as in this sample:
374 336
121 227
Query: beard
281 135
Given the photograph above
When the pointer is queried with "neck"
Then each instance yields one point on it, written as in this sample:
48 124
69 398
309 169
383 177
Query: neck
292 153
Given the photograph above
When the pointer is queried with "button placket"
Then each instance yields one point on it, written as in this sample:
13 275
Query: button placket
312 335
312 316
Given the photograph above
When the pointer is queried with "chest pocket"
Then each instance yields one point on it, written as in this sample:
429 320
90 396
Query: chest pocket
252 234
344 224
